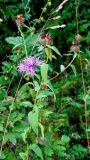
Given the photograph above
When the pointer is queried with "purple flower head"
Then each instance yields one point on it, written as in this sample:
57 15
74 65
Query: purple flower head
29 65
30 70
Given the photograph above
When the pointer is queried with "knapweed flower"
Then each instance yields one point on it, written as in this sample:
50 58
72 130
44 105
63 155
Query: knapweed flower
29 65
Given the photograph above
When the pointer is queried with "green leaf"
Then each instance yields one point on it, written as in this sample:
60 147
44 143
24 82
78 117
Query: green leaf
23 90
62 68
74 69
25 134
59 148
32 40
16 116
2 155
1 127
54 49
36 149
42 129
10 155
13 58
48 158
23 155
5 63
26 104
36 85
3 93
20 127
64 139
12 138
14 40
51 87
43 94
48 151
33 120
3 80
48 52
44 72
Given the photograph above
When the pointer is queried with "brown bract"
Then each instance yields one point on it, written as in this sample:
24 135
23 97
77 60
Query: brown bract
75 48
19 20
46 39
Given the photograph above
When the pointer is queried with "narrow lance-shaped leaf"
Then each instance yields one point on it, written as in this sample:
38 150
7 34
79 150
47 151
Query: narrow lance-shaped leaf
48 52
50 86
44 72
23 155
55 18
42 129
36 149
33 120
54 49
74 69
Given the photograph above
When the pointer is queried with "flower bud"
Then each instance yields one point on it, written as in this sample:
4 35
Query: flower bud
49 3
42 19
44 9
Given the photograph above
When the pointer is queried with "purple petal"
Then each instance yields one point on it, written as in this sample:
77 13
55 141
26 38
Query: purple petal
37 62
30 61
21 68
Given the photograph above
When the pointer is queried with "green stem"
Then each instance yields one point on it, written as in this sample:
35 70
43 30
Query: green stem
19 28
76 17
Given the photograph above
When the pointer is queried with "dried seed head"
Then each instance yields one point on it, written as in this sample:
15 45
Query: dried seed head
43 39
49 39
43 35
74 42
20 19
75 48
46 39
